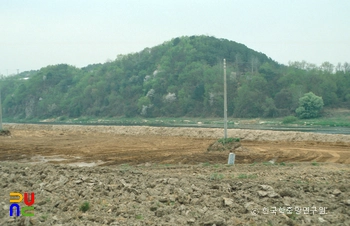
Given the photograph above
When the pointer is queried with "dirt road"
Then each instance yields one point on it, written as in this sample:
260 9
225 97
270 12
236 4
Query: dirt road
136 145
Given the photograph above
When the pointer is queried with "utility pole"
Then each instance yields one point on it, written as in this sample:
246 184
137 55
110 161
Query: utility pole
225 101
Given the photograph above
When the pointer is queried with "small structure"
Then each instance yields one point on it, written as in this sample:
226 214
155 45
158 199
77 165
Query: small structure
231 159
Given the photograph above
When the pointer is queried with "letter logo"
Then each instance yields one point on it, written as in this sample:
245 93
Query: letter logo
32 197
24 209
17 209
16 194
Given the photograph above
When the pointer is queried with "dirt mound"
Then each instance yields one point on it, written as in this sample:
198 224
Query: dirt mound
221 145
243 134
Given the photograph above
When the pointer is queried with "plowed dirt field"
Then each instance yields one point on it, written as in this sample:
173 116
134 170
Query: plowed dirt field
106 145
166 176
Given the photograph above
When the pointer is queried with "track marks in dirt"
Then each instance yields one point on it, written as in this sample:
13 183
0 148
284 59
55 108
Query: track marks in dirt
302 151
136 149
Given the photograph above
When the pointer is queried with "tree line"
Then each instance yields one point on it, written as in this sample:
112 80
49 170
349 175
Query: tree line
181 77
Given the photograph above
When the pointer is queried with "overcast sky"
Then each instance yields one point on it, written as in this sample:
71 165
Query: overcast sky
37 33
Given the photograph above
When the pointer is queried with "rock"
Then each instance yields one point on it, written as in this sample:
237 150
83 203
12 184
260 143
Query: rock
262 193
347 202
250 206
269 193
273 194
57 203
49 188
321 220
307 219
336 192
122 181
62 181
266 187
33 221
287 192
286 201
228 202
163 199
214 220
160 212
153 208
41 203
194 188
173 181
78 181
184 198
5 207
191 220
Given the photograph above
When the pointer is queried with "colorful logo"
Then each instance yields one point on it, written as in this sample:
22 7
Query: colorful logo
22 211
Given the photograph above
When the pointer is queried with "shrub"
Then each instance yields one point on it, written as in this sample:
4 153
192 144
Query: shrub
62 118
85 207
314 163
216 176
289 119
310 106
139 217
228 140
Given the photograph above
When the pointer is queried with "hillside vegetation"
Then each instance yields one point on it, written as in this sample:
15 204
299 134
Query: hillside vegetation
181 77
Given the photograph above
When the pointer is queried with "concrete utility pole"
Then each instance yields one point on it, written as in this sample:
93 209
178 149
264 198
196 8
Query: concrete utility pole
225 101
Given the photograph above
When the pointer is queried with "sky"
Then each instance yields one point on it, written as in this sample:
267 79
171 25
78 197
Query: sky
38 33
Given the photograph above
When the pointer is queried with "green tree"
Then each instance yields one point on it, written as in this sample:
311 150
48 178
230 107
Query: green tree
248 103
310 106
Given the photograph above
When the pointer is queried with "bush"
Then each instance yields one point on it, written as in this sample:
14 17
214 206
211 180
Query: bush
310 106
228 140
289 119
85 207
62 118
5 132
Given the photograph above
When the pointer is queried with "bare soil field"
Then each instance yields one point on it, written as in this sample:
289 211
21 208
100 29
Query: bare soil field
165 176
140 144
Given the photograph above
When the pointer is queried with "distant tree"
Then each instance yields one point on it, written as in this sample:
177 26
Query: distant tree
248 103
346 67
269 108
143 101
254 63
284 99
327 67
310 106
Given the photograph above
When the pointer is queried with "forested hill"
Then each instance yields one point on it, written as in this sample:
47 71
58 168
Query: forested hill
181 77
